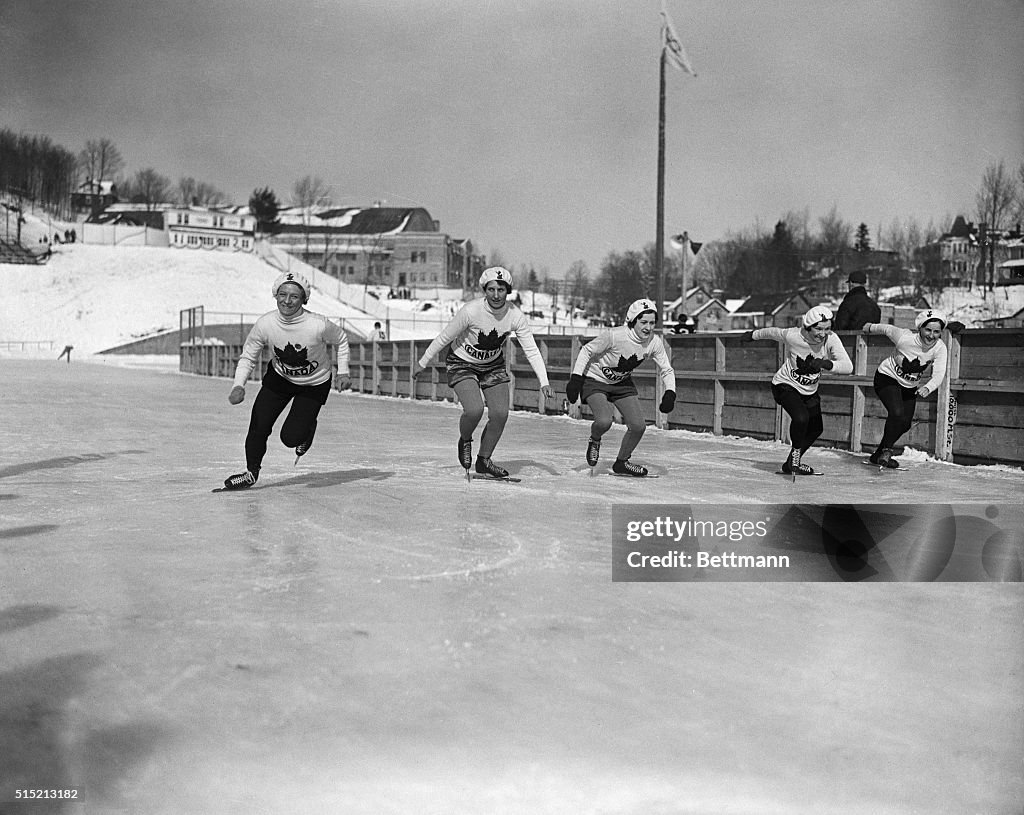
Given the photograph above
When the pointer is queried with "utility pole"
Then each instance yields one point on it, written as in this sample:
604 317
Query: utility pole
659 232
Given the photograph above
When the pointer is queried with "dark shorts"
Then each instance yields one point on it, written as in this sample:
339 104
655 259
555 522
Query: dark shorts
613 392
487 375
272 380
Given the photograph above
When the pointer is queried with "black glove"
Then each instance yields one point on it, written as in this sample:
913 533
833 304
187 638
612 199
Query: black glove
748 336
956 327
572 390
668 401
812 364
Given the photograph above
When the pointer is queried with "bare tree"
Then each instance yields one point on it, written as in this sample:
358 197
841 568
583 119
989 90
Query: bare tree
208 195
307 193
798 224
150 188
186 191
100 160
495 258
994 204
834 234
1020 194
578 278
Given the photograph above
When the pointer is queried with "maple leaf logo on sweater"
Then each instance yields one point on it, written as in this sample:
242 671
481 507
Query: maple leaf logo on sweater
911 369
293 356
912 366
627 364
491 341
805 366
622 368
295 361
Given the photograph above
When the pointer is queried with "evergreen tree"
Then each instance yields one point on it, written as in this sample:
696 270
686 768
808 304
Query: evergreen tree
782 261
264 206
863 240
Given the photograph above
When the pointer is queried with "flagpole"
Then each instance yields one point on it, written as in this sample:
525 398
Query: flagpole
659 233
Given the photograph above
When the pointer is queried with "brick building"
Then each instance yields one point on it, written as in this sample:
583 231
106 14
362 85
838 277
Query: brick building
402 248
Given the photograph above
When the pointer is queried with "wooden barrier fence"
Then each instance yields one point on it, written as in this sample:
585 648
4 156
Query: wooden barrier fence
723 387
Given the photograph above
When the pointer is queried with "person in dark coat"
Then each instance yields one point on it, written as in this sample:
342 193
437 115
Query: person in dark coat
857 307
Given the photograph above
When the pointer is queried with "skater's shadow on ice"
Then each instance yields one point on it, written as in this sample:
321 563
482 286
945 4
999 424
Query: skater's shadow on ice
63 462
25 531
334 478
516 466
15 617
47 735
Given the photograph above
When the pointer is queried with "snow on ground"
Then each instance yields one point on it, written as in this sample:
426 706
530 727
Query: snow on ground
971 306
97 297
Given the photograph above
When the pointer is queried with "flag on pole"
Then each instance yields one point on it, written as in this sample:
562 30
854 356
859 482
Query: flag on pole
672 46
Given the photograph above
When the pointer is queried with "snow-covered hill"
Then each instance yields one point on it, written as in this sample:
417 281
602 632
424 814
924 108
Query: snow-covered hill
97 297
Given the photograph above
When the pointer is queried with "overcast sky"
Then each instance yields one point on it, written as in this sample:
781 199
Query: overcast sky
530 126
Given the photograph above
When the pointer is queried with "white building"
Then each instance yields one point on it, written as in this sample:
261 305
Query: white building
229 228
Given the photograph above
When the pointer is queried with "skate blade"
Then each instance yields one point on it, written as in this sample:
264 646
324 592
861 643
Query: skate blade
794 475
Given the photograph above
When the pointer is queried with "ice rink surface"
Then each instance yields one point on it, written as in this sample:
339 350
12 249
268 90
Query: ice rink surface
367 634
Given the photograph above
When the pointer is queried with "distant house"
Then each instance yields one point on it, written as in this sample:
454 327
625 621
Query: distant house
402 248
763 310
224 228
126 225
93 196
700 306
1015 320
953 259
1011 272
883 268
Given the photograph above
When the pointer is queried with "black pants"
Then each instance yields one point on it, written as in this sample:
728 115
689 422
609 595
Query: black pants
270 402
805 424
900 403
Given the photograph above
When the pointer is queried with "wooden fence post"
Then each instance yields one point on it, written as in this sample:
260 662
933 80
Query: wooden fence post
719 404
574 409
509 351
541 399
860 366
946 405
412 368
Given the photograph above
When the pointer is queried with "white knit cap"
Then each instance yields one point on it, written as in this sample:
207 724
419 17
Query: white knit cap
930 314
638 307
292 277
816 315
499 273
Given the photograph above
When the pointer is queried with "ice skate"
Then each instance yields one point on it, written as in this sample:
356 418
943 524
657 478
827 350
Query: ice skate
484 466
793 466
623 467
466 453
883 458
239 481
593 451
303 448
